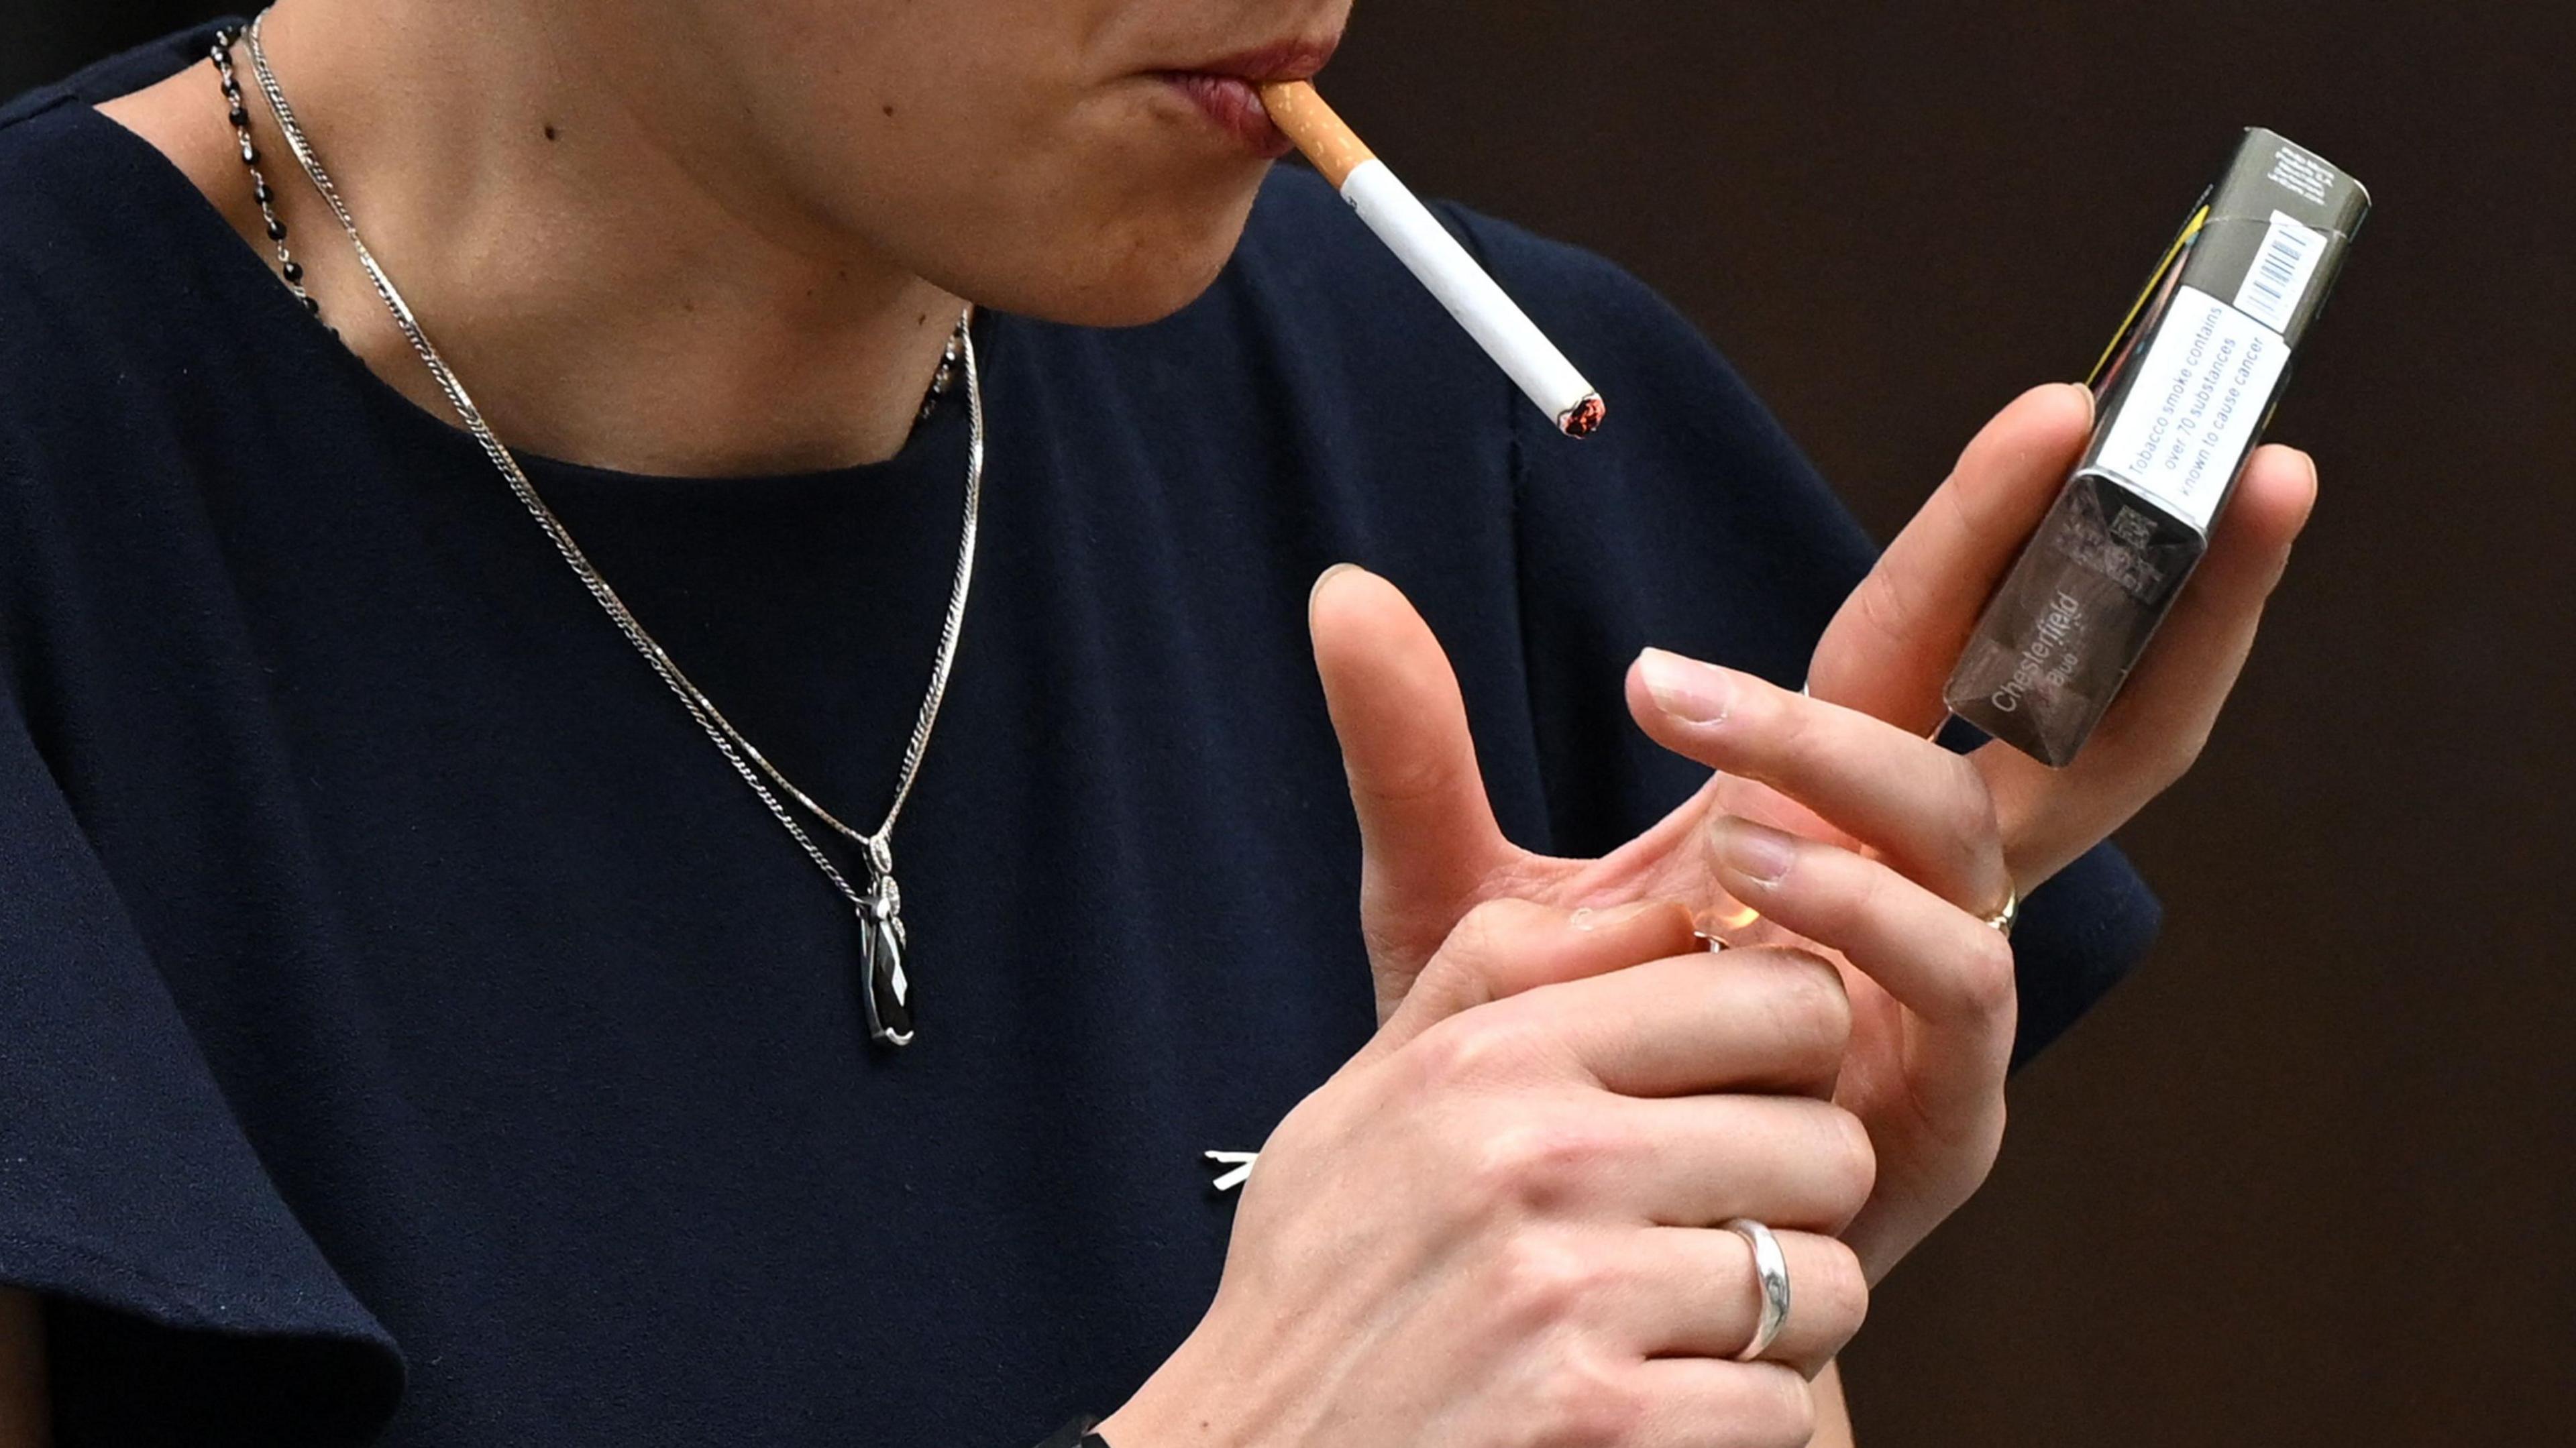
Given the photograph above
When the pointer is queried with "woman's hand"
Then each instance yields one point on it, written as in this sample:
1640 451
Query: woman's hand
1927 1072
1886 857
1893 644
1498 1225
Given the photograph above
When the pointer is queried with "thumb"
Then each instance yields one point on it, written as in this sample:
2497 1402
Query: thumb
1427 831
1508 947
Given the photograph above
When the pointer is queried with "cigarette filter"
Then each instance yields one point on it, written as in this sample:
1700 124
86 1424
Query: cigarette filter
2186 389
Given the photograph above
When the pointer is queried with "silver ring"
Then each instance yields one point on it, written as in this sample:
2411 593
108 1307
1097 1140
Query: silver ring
1771 1270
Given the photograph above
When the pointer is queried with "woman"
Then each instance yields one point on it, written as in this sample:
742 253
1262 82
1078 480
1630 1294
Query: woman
437 1016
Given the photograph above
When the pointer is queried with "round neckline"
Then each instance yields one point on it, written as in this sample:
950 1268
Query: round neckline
924 457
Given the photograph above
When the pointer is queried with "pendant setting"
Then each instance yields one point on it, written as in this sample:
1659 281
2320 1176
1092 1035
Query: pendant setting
887 991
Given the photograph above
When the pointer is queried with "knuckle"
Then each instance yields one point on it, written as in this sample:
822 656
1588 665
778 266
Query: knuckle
1476 937
1854 1161
1539 1164
1974 822
1443 983
1973 817
1541 1280
1839 1290
1796 736
1585 1402
2142 764
2182 754
1783 1409
1465 1051
1766 1404
1987 985
1487 934
1863 901
1412 780
1881 606
1811 1007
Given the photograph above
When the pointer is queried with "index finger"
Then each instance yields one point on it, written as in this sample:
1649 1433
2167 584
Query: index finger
1506 947
1924 808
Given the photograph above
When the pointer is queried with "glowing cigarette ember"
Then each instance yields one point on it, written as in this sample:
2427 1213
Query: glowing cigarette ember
1435 258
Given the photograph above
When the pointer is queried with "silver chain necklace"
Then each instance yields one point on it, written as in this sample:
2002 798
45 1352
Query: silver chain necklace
882 943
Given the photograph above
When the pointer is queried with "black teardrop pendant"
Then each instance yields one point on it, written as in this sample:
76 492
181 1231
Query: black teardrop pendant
886 990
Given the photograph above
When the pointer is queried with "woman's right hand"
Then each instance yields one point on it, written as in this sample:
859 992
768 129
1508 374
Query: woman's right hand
1500 1224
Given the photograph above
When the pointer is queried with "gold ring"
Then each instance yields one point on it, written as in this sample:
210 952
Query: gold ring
2002 920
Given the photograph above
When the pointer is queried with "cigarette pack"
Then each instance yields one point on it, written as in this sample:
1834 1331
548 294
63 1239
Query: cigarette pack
2185 389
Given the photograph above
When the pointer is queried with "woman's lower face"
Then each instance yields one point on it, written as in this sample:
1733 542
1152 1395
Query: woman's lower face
1085 161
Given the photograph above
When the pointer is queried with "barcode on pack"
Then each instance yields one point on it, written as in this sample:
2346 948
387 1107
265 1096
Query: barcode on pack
2282 271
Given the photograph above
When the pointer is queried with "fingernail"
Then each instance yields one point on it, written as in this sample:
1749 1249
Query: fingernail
1687 689
1327 576
1755 851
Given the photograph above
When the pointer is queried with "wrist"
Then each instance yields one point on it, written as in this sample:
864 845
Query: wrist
1170 1409
1135 1425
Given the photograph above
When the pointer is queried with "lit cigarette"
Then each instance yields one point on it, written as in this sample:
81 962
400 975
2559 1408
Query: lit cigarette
1435 258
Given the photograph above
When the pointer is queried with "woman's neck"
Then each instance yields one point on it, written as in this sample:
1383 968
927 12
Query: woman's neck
563 215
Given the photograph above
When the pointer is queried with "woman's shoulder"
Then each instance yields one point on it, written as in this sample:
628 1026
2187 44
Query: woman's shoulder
74 250
112 337
93 298
117 75
56 174
85 192
62 291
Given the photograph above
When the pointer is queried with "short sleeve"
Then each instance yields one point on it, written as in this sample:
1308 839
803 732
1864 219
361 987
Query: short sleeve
1692 523
183 1301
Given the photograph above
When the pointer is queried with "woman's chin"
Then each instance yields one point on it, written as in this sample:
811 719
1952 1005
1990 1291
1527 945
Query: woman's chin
1138 271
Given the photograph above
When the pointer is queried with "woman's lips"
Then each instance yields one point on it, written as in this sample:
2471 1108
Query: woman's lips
1231 102
1225 91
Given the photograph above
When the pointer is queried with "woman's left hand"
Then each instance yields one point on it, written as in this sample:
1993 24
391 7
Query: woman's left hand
1890 850
1828 829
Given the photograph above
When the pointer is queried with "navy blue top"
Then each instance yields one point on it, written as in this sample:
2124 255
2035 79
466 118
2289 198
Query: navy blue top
412 1032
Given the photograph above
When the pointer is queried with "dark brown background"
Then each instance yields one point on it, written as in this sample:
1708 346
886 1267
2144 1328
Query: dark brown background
2312 1177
